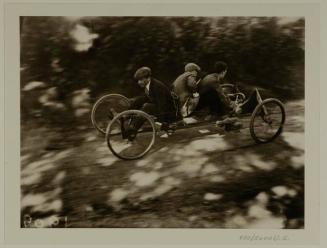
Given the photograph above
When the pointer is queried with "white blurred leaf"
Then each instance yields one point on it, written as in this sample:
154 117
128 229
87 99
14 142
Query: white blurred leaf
33 85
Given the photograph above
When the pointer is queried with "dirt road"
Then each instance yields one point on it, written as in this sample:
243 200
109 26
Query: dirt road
195 178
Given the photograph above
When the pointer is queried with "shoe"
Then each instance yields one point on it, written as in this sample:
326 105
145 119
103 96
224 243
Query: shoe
228 120
167 128
233 126
210 117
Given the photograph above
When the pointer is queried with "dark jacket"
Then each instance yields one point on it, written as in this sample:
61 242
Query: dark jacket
160 97
212 82
184 86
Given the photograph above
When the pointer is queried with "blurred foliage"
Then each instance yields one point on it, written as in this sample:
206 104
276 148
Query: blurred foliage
260 51
67 63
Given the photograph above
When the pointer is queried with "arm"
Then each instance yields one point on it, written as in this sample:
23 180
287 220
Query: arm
192 84
137 102
222 96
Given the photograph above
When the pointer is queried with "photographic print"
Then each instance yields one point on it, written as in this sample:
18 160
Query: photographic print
162 122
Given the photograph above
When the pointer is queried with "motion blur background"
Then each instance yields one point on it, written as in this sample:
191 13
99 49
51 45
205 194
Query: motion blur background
196 177
67 62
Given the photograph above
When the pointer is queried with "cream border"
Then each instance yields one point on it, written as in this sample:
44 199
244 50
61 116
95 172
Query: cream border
2 128
15 235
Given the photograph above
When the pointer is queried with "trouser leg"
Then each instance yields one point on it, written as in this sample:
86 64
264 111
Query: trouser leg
138 121
211 99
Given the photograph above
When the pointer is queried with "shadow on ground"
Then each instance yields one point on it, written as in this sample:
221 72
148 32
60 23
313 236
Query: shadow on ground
191 179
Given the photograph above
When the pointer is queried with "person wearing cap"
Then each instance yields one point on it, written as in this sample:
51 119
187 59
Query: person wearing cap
185 88
211 93
156 99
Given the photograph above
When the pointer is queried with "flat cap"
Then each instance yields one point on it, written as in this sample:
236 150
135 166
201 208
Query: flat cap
192 67
142 72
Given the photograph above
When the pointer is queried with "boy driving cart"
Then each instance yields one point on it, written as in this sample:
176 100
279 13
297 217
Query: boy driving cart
156 101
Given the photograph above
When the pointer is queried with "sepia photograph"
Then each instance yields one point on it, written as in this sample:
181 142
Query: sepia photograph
162 122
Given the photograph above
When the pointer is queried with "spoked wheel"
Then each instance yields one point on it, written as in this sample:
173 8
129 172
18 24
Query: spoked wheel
267 120
131 134
106 108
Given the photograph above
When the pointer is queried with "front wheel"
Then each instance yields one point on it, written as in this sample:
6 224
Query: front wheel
126 141
267 120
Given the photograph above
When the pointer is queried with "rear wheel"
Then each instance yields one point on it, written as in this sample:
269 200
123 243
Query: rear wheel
105 108
267 120
126 142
